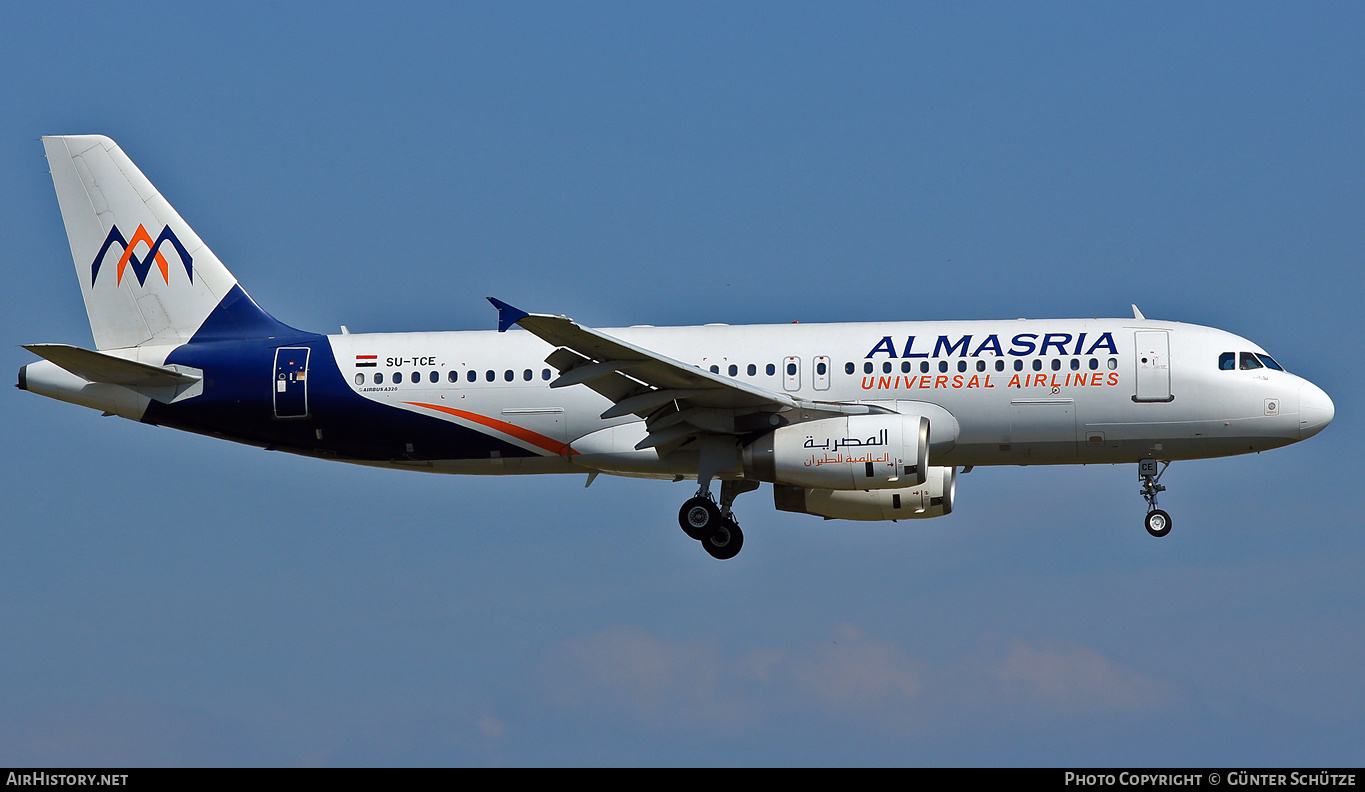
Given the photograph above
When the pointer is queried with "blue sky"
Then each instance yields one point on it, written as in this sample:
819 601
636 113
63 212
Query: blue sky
170 599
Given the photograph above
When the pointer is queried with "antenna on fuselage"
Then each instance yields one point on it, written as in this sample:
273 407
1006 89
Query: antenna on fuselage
1136 313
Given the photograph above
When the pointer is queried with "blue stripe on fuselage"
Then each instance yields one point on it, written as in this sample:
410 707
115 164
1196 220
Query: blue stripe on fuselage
235 348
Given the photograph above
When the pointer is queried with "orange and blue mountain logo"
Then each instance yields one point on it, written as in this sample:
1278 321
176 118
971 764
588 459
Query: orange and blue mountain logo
141 266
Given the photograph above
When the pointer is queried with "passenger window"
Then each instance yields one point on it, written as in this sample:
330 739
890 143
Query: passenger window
359 379
924 367
791 369
820 369
733 369
715 369
942 366
905 367
886 367
1075 364
867 367
453 376
1056 364
473 375
1094 363
545 374
1018 365
771 369
1249 362
962 365
980 365
752 370
848 368
416 377
508 375
490 375
435 376
526 375
1113 364
378 379
1037 364
999 365
1227 361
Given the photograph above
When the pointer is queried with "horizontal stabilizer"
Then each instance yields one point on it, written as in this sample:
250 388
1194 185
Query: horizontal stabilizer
98 367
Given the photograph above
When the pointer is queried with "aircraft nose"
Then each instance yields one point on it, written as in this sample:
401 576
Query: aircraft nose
1315 410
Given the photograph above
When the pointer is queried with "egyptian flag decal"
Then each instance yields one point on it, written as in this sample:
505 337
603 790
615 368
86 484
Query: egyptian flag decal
366 361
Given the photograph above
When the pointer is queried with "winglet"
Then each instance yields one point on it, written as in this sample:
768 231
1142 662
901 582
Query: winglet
1136 313
507 315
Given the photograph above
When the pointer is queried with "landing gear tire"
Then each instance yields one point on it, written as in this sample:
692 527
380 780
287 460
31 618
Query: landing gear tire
725 541
699 517
1158 523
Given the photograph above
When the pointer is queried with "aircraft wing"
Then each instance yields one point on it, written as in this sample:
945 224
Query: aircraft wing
678 400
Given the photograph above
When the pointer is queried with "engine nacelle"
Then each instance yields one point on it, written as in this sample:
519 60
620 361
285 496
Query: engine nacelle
853 452
933 498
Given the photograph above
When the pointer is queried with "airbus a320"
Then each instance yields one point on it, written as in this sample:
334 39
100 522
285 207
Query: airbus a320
856 421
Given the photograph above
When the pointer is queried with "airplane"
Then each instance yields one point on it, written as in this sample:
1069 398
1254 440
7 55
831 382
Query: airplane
853 421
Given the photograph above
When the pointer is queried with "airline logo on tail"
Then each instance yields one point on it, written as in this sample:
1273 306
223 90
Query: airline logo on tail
141 266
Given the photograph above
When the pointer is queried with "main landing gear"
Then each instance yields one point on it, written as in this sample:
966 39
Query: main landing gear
1157 522
713 524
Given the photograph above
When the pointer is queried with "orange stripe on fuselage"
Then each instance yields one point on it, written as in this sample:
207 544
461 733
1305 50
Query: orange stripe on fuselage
526 435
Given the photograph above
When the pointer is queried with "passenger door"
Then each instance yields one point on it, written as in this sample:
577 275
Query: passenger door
291 382
1153 380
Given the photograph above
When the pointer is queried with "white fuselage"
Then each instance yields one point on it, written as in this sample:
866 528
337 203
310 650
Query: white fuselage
1016 392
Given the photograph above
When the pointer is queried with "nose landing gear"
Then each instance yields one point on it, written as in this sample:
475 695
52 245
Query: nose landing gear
1157 522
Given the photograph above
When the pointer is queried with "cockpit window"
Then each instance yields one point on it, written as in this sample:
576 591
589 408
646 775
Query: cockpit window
1227 361
1269 361
1249 361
